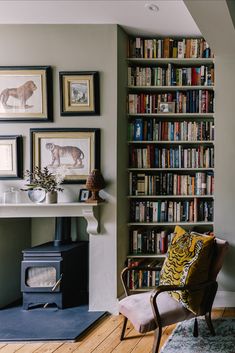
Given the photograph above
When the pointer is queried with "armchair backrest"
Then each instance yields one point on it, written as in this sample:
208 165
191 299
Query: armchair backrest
221 248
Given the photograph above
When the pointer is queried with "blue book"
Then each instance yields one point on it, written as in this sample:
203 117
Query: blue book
138 130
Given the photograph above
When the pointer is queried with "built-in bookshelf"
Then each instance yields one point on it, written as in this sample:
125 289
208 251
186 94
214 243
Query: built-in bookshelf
170 113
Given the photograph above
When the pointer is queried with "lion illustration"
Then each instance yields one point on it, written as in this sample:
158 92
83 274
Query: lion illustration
62 151
23 93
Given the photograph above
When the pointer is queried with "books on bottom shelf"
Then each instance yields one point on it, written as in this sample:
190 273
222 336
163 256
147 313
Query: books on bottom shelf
142 278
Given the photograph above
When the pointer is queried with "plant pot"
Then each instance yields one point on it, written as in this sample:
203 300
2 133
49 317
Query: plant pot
36 195
51 197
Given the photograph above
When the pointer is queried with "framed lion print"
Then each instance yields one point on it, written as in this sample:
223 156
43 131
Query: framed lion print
79 93
25 94
71 153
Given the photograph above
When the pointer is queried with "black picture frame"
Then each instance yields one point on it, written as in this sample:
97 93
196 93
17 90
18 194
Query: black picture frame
11 161
84 195
88 141
34 82
79 93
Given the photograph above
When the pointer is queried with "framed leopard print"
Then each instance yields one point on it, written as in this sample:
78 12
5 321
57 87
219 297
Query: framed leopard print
72 153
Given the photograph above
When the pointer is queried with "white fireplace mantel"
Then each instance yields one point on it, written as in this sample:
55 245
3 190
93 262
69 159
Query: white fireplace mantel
34 210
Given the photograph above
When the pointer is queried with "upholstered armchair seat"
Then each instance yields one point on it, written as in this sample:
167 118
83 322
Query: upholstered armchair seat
143 319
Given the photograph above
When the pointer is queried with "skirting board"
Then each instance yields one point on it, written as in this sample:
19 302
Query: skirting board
224 299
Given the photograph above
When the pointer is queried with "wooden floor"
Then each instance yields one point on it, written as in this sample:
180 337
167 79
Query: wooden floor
103 338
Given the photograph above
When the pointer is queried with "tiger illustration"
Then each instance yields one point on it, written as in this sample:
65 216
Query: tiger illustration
177 265
61 151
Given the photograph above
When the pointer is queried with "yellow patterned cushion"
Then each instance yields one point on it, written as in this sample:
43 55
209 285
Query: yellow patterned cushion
187 263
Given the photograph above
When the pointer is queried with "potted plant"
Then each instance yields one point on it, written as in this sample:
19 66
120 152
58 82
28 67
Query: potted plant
43 185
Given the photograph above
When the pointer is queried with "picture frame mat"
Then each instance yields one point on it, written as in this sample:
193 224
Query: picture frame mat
13 149
67 79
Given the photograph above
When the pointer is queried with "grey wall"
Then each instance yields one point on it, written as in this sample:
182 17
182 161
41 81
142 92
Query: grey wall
75 47
14 236
222 43
122 156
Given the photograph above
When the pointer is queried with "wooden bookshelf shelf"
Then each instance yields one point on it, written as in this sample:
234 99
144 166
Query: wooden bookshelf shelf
171 169
171 197
207 142
171 88
178 61
143 256
151 224
173 115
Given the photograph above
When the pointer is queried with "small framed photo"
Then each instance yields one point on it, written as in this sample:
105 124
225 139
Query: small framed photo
72 153
26 94
11 161
84 195
79 93
168 107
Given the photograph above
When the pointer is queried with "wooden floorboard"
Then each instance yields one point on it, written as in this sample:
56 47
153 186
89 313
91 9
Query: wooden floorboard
104 338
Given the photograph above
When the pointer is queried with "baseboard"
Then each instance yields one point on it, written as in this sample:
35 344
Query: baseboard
224 299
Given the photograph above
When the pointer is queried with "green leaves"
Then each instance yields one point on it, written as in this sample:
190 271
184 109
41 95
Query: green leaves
42 179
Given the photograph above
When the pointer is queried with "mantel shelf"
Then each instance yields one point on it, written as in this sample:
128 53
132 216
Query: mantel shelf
35 210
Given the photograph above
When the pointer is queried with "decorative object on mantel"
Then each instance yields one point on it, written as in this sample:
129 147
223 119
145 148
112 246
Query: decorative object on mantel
95 182
84 195
43 185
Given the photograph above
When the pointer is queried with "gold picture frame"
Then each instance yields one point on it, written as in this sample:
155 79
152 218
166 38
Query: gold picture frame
74 153
26 94
79 93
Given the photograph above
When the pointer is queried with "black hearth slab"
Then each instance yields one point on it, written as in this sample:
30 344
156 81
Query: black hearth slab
48 324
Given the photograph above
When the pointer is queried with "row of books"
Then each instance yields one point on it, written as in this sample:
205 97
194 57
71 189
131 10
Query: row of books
171 76
200 183
152 156
142 279
153 130
149 241
191 101
172 211
169 48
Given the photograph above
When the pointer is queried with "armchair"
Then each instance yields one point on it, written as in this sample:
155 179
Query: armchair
151 311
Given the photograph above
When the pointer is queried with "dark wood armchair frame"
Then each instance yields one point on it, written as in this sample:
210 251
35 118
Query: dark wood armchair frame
209 295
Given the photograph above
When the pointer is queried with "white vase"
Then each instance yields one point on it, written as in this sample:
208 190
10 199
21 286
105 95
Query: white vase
36 195
51 197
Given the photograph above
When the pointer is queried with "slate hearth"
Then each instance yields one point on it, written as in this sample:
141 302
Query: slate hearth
47 324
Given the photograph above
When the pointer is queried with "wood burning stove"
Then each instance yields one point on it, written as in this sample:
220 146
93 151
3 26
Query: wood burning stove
56 272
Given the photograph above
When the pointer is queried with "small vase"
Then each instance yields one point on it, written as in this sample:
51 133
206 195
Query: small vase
51 197
36 195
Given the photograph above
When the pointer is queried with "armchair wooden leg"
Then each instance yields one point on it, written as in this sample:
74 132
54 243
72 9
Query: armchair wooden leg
123 328
209 323
157 339
195 328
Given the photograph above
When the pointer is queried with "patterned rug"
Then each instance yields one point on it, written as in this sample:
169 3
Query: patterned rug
182 339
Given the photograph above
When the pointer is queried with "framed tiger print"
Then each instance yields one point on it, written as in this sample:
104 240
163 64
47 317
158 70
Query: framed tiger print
72 153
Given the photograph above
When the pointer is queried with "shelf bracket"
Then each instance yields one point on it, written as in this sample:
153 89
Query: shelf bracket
92 220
